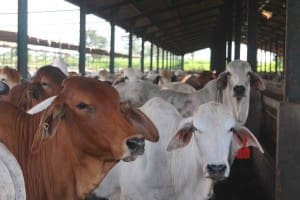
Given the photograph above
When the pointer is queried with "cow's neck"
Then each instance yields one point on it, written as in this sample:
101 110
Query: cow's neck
75 171
89 173
239 108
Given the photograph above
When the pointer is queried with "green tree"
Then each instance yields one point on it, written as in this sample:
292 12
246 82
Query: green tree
93 40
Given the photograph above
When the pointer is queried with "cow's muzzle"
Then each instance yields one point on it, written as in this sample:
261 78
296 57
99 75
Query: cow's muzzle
216 172
4 89
136 147
239 91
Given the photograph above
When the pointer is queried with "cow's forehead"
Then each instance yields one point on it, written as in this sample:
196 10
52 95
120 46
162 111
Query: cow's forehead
238 67
90 89
213 115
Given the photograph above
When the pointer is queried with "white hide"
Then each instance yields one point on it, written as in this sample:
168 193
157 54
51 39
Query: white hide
178 87
41 106
238 76
12 185
137 92
133 74
179 174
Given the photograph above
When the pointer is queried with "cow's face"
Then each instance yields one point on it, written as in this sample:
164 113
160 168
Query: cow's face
235 83
238 78
209 134
90 111
46 82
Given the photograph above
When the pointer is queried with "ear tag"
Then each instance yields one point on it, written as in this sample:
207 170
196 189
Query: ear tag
244 153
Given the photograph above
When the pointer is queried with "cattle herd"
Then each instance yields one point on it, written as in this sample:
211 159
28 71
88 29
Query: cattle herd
123 136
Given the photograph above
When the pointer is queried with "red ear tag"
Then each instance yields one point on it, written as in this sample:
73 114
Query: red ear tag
244 152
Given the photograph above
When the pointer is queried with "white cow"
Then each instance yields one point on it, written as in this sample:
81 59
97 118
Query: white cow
12 185
232 87
191 155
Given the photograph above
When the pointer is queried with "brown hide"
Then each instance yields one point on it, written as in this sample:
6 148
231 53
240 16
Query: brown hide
200 80
45 83
10 76
67 150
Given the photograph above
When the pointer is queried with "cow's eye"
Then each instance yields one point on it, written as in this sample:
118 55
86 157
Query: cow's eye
81 105
44 84
231 130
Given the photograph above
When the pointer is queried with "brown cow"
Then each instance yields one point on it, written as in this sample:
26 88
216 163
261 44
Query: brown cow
79 138
10 76
45 83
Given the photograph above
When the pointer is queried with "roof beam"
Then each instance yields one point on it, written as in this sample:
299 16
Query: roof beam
161 10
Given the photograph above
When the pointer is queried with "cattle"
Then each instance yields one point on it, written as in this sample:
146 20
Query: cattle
168 80
136 92
12 185
67 149
232 87
10 76
45 83
198 80
104 75
190 157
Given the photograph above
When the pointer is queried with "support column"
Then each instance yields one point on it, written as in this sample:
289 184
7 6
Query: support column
163 59
130 51
22 49
265 56
82 39
182 62
277 56
252 9
151 56
167 64
142 55
157 59
292 52
237 29
270 56
287 159
230 29
112 48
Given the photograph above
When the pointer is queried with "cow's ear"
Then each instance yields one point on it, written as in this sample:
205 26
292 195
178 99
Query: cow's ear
222 80
119 80
156 80
141 123
243 137
49 124
256 81
182 137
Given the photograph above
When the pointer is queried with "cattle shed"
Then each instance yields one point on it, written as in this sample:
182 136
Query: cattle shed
183 26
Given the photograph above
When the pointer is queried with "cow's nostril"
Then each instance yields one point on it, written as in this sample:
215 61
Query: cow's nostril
216 169
136 145
239 90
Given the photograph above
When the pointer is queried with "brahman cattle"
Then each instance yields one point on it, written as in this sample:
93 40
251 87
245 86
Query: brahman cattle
191 155
45 83
232 87
66 150
10 76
